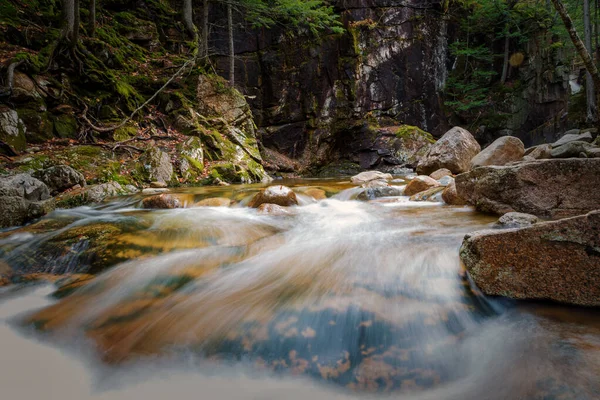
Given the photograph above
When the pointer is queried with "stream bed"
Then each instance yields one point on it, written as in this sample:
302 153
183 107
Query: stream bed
339 298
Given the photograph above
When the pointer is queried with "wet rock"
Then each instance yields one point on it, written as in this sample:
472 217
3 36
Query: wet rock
368 176
214 202
374 193
12 129
574 137
375 184
571 149
446 180
420 184
273 209
453 151
545 188
279 195
154 190
60 178
440 173
451 197
92 194
516 220
316 193
501 152
22 199
558 260
158 185
541 152
161 201
433 194
156 166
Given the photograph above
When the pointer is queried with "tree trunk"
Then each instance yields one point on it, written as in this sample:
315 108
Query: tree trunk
76 23
92 18
188 18
589 84
204 47
231 49
506 54
69 16
580 47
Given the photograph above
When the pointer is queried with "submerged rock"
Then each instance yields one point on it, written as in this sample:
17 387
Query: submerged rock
558 260
316 193
501 152
279 195
162 201
420 184
516 220
214 202
60 178
272 209
22 199
453 151
546 188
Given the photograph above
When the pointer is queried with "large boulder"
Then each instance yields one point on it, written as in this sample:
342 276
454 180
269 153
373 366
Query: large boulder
501 152
93 194
420 183
60 178
12 129
453 151
440 173
279 195
546 188
156 165
22 199
558 260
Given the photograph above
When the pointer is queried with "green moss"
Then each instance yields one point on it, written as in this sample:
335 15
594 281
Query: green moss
125 132
408 131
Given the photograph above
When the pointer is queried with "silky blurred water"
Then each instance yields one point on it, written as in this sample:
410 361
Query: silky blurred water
340 298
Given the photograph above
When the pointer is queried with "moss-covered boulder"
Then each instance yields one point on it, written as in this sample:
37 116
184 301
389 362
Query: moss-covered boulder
38 124
65 126
155 165
191 161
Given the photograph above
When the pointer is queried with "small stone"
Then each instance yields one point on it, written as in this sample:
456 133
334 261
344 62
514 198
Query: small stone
161 201
420 184
516 220
158 185
374 193
279 194
451 197
440 173
154 191
367 176
433 194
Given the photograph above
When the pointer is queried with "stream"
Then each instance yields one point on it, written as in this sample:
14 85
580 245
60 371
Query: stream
338 299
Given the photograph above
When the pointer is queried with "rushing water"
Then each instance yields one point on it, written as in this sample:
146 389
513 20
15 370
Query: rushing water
338 299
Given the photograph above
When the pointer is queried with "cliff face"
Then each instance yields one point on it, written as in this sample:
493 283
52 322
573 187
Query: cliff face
310 98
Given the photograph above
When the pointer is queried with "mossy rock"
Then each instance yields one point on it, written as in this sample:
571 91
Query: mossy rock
65 126
229 172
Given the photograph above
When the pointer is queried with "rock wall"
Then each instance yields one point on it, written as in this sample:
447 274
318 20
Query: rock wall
307 95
